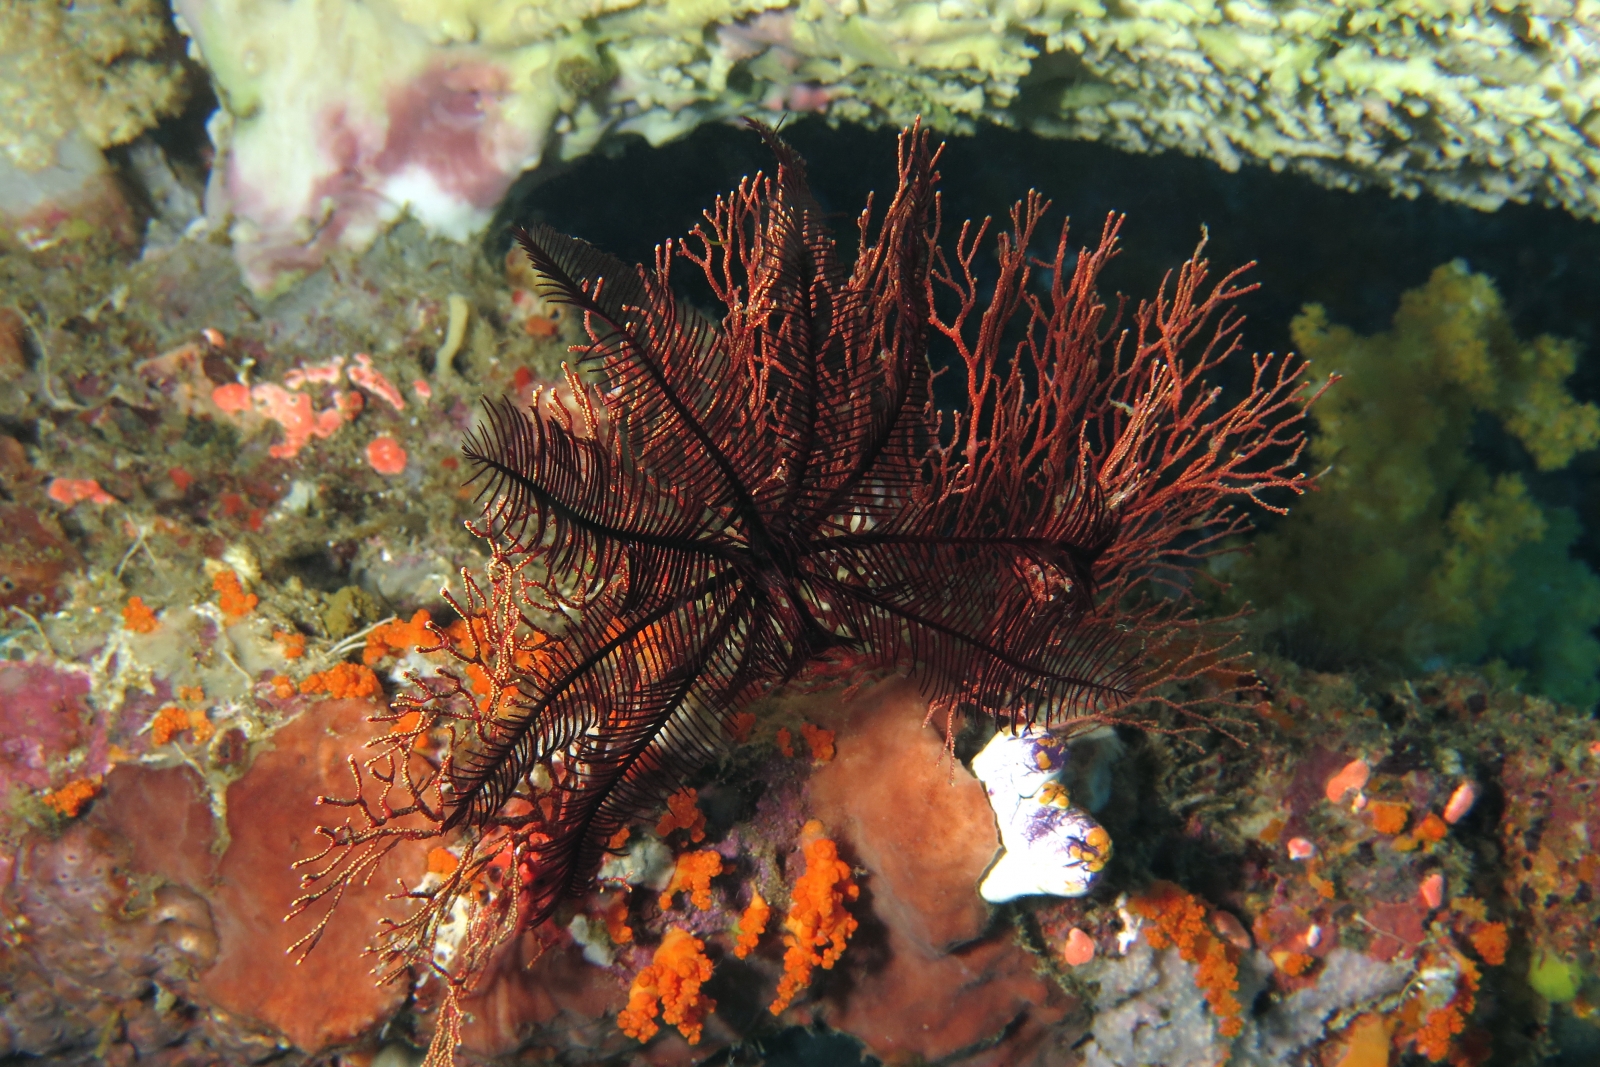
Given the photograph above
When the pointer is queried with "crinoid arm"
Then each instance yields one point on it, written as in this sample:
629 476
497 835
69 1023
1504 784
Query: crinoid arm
708 505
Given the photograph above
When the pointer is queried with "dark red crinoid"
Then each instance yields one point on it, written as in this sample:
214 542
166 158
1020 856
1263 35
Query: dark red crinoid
709 504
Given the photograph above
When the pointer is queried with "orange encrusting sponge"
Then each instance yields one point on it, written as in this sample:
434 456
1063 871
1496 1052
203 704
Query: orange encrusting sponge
1178 918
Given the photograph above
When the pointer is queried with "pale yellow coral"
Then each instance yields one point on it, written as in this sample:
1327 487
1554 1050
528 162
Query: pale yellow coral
104 69
1478 101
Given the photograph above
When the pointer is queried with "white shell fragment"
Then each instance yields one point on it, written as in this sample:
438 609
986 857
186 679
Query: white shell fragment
1050 846
646 862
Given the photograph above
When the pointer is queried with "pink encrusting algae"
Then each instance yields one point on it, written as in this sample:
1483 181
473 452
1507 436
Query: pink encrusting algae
1079 948
324 373
386 456
70 491
232 398
291 410
296 411
370 379
1461 802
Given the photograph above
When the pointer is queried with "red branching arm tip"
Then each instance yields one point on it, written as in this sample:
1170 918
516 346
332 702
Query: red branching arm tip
477 898
1083 406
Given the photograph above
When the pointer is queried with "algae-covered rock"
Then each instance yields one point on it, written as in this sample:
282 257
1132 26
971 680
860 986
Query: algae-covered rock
107 71
1414 552
347 609
340 115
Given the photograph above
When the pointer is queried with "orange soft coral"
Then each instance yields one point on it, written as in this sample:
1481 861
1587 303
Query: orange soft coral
1293 964
1431 829
1434 1036
670 987
69 800
683 813
343 680
817 916
169 722
1388 816
1178 918
172 720
231 596
1442 1024
397 638
200 727
820 740
740 725
1491 941
616 919
137 616
693 875
290 643
752 924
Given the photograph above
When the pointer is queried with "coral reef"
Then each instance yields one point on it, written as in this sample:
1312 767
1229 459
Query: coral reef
102 71
927 934
1325 887
175 921
617 633
1459 101
203 606
1441 559
165 620
434 106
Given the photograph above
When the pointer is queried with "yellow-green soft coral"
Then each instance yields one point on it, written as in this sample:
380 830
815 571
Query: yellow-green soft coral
1411 553
102 69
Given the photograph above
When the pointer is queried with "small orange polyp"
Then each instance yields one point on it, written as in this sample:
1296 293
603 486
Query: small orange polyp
1079 948
70 491
1461 802
1352 778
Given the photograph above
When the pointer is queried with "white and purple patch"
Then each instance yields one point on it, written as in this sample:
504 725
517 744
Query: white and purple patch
1050 846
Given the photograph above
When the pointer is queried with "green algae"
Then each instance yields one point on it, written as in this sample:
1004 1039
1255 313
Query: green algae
1553 978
